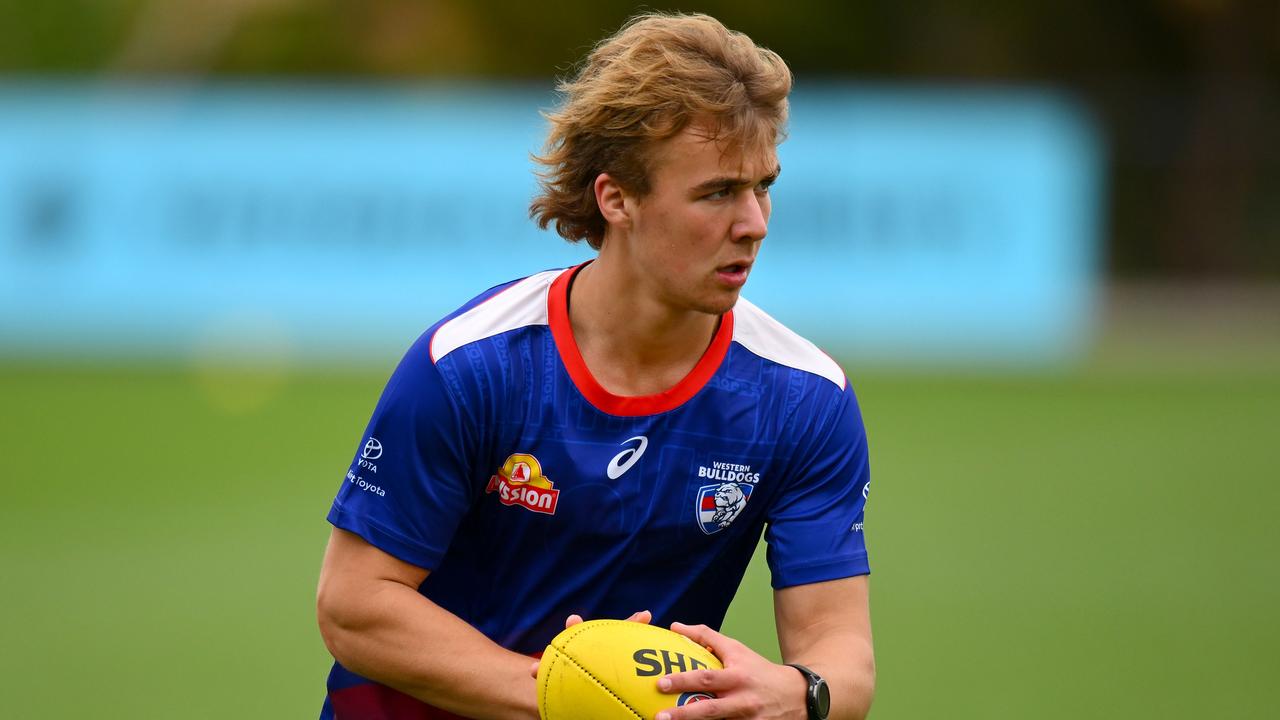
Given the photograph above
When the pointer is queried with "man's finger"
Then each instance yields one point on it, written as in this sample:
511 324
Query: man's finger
710 639
709 681
644 616
572 620
701 710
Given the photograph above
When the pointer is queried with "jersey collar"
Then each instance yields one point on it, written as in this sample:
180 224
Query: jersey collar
627 405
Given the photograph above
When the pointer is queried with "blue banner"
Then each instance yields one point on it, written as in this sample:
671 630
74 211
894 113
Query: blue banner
341 221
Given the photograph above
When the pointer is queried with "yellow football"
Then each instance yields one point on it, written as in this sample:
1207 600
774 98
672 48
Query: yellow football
609 669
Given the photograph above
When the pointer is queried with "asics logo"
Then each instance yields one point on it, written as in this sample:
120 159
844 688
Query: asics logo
623 461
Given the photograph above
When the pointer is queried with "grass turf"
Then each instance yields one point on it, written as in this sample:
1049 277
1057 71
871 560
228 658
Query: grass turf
1094 543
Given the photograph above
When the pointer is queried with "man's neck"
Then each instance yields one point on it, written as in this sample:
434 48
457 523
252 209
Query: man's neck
631 341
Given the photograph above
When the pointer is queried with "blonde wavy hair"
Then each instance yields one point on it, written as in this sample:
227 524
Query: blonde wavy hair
642 85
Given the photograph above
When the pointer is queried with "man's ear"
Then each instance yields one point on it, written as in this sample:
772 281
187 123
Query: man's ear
611 199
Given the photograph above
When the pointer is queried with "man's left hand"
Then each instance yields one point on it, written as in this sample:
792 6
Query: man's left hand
644 616
749 686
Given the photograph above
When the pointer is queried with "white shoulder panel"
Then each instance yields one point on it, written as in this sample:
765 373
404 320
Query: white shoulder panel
520 305
756 331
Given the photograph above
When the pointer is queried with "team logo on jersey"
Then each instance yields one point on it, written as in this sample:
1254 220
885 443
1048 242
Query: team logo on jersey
719 505
623 461
728 472
521 482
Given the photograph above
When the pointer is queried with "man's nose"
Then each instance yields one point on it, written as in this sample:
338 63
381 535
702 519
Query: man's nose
753 217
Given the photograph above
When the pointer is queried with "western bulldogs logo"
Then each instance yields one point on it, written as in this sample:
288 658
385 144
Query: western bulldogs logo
719 505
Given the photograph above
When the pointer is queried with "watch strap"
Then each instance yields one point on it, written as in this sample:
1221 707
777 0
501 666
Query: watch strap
816 685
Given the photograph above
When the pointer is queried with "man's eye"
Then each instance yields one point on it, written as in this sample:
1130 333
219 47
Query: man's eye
720 194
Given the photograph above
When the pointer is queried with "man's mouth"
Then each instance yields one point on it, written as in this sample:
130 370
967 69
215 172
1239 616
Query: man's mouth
734 273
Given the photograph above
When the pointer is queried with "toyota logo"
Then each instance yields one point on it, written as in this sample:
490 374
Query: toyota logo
372 449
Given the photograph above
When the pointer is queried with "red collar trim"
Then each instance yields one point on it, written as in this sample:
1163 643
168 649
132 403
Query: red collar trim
624 405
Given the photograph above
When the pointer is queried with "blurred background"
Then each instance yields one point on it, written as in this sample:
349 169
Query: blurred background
1042 238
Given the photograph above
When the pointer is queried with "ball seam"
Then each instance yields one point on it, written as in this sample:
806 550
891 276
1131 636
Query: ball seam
542 695
568 658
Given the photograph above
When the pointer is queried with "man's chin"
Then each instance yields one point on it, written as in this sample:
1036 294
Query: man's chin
721 304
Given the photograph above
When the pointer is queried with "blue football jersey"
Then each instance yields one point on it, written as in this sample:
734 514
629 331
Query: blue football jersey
496 461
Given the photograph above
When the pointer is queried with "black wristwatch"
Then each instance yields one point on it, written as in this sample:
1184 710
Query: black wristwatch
818 698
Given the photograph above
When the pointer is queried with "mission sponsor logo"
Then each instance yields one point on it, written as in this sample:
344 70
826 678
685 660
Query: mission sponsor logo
521 482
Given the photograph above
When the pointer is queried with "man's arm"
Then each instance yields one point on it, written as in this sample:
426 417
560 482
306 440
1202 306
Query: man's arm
824 626
377 625
827 628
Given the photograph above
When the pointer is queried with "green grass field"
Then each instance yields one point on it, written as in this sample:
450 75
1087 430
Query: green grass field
1098 542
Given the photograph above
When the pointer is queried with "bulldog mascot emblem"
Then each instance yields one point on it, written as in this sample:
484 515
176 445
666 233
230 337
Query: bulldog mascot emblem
719 505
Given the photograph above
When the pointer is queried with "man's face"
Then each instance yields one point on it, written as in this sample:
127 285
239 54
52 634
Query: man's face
697 232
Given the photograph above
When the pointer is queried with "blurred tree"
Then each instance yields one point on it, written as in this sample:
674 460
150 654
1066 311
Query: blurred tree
1187 91
1219 166
61 36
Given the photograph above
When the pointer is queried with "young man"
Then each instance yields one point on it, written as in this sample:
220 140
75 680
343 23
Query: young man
614 437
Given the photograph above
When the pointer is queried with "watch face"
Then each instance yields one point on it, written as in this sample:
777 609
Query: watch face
823 694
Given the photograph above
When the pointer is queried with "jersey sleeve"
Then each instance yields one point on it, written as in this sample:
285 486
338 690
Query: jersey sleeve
408 486
815 530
